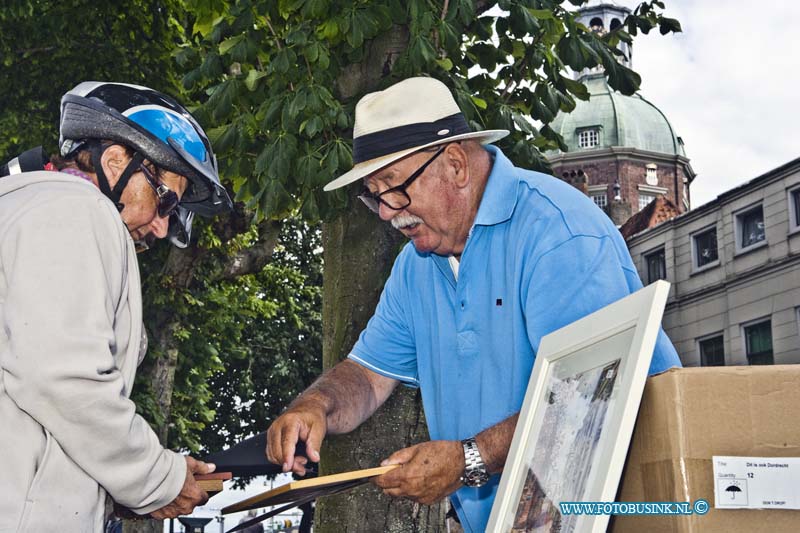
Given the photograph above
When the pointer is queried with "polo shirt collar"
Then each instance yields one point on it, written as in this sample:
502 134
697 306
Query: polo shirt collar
500 196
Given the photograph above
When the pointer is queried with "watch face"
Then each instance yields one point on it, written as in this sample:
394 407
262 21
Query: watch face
477 478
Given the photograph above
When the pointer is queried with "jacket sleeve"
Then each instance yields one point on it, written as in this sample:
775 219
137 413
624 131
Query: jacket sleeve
66 269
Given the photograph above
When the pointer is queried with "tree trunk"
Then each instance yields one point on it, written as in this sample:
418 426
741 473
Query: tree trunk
359 252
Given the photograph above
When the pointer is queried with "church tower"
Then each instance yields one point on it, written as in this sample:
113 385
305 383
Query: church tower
622 150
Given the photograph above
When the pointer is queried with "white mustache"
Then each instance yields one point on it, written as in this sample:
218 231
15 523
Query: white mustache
401 221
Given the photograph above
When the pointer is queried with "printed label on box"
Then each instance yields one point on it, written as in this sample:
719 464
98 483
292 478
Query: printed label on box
756 482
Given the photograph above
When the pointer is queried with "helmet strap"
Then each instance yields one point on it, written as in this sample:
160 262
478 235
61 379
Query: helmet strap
96 149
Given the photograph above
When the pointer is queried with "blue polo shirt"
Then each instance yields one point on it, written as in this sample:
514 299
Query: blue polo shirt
540 255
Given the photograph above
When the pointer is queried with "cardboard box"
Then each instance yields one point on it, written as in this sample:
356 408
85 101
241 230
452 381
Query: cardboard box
689 415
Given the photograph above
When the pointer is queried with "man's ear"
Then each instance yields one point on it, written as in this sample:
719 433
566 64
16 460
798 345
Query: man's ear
457 159
114 161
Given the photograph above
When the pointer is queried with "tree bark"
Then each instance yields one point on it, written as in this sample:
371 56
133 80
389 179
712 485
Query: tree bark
359 252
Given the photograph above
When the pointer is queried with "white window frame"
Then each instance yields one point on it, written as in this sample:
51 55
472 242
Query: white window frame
586 135
696 256
737 224
698 340
794 223
756 322
650 195
603 196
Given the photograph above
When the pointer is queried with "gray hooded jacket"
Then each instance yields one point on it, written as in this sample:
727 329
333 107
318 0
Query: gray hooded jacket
70 341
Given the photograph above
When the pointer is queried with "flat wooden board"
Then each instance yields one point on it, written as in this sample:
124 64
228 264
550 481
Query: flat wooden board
212 483
308 488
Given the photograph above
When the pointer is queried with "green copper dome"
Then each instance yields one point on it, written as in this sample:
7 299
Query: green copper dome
618 120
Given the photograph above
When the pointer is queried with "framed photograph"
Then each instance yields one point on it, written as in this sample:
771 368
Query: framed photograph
577 418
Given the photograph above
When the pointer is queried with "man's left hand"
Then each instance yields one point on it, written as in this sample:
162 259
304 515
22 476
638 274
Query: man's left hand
429 471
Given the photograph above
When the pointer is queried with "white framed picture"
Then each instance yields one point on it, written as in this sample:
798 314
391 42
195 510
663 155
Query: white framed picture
577 418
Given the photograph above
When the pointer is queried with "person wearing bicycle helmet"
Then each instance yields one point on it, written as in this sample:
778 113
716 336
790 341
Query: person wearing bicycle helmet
134 166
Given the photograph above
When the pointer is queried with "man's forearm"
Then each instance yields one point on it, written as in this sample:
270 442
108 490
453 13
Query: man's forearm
494 443
348 394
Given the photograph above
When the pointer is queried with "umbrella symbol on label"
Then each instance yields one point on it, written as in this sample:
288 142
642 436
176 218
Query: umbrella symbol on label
733 488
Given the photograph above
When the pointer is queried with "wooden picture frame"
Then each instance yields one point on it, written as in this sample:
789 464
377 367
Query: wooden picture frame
577 418
305 489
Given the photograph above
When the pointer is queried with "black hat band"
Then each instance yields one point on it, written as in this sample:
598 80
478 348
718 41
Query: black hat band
381 143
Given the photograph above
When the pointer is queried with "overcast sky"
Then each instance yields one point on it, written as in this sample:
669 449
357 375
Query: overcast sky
729 85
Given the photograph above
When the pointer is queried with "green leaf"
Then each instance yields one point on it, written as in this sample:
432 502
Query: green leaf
329 29
480 103
331 159
227 44
287 7
310 209
344 154
519 49
312 52
307 168
298 102
542 14
668 25
251 82
355 37
576 88
315 9
622 78
445 64
226 141
272 116
284 60
312 126
263 159
283 154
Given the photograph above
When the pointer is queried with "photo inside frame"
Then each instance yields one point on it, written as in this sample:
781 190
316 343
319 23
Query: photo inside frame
570 432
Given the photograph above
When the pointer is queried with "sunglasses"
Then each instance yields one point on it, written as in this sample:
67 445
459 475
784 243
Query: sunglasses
167 199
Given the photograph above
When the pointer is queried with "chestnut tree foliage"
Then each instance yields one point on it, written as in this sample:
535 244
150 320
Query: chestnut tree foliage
279 79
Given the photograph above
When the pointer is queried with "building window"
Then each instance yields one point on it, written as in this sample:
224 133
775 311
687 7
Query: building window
712 351
794 209
705 247
600 199
588 138
750 226
656 266
758 343
645 199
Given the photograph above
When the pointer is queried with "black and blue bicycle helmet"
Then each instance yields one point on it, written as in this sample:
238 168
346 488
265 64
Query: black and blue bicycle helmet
152 124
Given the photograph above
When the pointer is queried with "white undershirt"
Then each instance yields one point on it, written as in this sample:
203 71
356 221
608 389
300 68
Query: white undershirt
453 266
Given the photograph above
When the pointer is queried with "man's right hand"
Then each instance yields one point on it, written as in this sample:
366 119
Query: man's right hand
190 496
301 422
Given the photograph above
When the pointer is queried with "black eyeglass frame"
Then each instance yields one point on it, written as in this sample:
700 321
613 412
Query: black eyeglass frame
167 198
373 201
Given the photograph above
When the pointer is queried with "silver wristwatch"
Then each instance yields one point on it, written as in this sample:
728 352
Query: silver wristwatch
475 474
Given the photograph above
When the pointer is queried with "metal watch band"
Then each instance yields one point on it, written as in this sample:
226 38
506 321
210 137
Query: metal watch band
475 473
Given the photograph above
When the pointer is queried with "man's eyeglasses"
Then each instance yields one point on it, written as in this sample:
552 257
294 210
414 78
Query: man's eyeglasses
167 199
395 198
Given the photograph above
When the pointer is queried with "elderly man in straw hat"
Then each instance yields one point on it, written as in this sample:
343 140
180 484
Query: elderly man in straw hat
499 257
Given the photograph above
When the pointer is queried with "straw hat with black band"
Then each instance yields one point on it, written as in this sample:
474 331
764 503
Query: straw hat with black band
409 116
